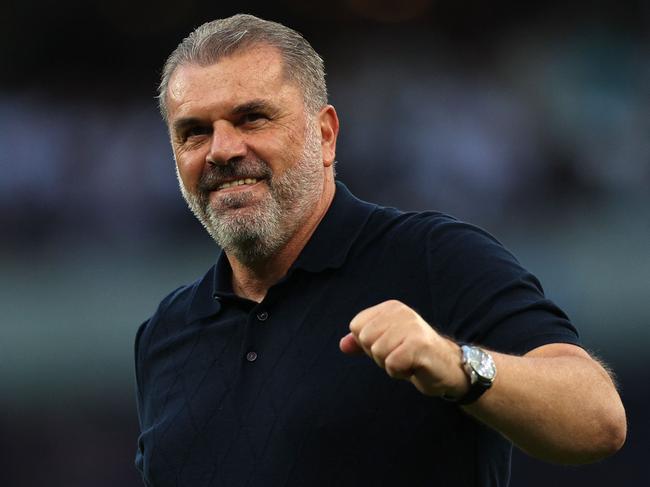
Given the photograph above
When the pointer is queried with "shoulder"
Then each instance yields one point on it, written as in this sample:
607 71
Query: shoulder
174 306
434 233
170 307
175 309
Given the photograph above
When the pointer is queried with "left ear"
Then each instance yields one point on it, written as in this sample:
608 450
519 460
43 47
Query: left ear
329 131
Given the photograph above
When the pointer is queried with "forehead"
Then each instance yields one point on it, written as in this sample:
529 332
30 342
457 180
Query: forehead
255 73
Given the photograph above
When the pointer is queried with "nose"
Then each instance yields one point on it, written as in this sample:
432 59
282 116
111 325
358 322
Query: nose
226 144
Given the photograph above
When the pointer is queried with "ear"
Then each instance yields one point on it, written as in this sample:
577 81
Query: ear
329 131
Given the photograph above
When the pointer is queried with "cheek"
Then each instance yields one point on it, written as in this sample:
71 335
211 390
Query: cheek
189 170
279 152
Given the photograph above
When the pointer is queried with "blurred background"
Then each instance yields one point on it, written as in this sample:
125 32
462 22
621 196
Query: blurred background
530 120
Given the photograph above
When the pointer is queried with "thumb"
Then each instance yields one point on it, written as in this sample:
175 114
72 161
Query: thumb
349 345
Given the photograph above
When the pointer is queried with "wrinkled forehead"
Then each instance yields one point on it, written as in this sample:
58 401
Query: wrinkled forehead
256 66
253 74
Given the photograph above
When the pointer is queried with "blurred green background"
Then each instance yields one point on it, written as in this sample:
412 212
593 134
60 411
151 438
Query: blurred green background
532 121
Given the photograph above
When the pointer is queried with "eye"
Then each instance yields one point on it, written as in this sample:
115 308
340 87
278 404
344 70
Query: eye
196 130
253 118
192 133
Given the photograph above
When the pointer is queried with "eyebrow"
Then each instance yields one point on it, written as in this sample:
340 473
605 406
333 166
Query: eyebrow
253 106
256 105
183 123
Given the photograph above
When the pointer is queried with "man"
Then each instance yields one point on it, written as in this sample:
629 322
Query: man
336 342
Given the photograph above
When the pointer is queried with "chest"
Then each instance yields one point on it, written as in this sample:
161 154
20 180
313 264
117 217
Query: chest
263 387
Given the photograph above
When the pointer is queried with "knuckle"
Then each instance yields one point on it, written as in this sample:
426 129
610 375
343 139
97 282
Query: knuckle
394 365
394 304
376 350
365 340
355 325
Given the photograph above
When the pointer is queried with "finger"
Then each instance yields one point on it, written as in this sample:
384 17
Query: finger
350 346
366 315
372 331
399 363
386 344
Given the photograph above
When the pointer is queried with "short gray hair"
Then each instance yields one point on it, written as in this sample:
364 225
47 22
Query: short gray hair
223 37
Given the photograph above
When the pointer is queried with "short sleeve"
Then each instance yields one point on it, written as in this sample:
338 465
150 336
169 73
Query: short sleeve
483 295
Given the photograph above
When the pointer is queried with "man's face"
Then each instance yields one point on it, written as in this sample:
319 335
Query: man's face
248 157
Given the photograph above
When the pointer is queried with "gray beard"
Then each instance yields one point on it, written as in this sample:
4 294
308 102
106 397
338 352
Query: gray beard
259 232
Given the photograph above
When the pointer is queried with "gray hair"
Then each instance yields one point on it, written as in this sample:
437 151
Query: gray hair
223 37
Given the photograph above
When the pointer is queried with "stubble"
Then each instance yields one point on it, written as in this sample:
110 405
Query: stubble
254 232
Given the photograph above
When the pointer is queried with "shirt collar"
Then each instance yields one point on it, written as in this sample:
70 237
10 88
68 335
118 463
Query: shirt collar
327 248
330 244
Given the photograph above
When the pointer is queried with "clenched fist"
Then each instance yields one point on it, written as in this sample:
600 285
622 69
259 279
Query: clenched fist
407 347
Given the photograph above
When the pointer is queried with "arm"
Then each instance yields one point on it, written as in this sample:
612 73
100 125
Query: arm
556 403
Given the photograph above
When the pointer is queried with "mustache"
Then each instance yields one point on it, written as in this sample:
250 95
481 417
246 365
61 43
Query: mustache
215 175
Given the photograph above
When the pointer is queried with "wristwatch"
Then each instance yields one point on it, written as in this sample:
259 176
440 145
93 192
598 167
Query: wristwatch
481 370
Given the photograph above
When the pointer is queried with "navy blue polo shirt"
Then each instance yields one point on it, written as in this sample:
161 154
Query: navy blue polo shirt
237 393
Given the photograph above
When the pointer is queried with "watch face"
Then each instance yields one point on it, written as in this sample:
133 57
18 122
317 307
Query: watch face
481 363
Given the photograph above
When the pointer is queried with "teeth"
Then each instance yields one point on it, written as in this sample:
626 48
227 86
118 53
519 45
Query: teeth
239 182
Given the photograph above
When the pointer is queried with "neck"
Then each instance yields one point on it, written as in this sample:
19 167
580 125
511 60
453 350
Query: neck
252 281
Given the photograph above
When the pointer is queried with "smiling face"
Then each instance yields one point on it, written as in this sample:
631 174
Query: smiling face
251 162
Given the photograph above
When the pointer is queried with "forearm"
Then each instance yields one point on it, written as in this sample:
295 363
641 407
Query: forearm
556 402
562 409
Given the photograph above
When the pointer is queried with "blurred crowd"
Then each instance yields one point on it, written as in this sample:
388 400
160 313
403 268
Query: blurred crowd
541 118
